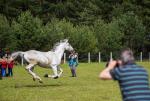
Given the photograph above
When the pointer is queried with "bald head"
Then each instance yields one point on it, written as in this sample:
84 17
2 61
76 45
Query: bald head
127 56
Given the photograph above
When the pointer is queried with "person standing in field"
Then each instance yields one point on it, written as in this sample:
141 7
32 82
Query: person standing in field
10 64
132 78
0 70
73 63
3 63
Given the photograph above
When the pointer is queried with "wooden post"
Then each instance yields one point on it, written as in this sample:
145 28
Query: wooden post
99 57
89 58
149 56
64 57
21 61
111 56
141 57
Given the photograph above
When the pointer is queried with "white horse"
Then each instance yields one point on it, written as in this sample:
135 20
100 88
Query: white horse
50 59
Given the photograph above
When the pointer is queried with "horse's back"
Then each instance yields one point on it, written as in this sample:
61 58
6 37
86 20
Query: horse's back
44 59
34 51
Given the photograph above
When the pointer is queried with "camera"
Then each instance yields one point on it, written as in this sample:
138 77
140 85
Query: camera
117 65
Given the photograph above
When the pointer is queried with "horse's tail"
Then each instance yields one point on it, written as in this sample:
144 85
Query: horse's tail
17 54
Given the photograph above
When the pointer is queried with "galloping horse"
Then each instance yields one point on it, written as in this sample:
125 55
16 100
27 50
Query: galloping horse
50 59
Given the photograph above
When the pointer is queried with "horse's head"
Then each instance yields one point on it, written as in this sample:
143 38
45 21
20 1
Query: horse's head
67 46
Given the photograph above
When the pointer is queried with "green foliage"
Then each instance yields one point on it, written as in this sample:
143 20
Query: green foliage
5 32
133 30
84 40
108 35
93 25
78 36
31 34
28 32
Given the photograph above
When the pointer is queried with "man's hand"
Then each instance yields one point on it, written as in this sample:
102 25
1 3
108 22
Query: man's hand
112 64
105 74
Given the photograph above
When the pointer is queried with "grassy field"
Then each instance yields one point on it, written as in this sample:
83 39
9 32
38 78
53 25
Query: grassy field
86 87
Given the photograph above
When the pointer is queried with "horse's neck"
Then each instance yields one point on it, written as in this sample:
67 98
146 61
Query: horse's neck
59 52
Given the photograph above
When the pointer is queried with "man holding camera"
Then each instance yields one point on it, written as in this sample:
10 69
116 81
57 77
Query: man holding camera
132 79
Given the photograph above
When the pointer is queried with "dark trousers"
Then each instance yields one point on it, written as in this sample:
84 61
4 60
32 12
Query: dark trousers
10 72
0 73
73 71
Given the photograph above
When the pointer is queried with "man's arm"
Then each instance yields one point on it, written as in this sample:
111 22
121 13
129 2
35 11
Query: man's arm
105 74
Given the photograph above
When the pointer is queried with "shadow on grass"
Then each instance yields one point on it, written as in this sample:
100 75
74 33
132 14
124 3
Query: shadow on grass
33 86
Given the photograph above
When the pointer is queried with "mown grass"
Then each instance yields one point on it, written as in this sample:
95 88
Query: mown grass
86 87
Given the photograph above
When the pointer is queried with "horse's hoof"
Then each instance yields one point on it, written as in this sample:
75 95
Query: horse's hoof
56 77
34 79
46 75
40 81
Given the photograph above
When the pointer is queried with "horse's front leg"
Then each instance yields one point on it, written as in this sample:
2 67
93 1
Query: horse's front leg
59 69
29 68
55 75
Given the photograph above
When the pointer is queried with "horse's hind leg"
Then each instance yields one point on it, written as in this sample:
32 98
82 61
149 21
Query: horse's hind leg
29 68
59 69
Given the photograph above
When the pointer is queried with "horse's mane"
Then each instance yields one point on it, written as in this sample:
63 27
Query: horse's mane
57 44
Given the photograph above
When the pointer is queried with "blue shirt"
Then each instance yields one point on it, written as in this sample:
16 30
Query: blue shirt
73 60
133 81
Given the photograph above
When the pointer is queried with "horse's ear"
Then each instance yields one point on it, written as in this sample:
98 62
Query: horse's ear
65 40
61 41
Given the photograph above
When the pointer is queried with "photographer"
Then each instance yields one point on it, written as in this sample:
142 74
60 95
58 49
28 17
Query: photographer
73 63
133 79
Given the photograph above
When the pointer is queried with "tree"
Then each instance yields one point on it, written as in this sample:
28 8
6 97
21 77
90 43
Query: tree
133 29
79 36
109 37
28 32
5 32
84 40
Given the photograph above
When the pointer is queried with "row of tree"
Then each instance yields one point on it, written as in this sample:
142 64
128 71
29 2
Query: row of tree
91 26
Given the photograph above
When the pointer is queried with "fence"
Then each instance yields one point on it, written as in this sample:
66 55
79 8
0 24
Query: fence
89 57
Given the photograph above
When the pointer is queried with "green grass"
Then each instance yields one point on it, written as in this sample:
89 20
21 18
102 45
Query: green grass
86 87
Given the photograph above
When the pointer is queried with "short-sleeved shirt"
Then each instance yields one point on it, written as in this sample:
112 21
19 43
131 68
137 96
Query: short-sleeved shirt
73 60
133 82
11 64
3 64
